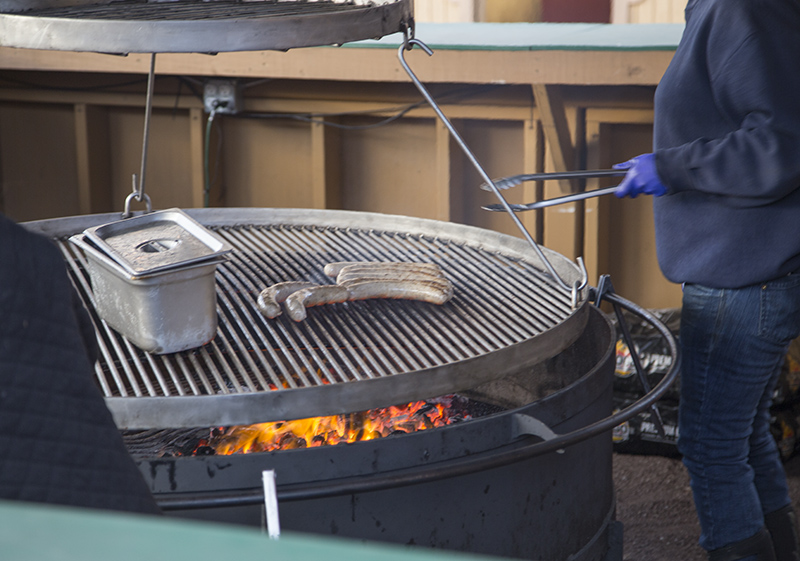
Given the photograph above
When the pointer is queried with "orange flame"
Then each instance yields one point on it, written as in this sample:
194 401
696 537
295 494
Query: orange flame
337 429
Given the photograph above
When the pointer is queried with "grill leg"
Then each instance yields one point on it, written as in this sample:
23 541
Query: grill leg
615 533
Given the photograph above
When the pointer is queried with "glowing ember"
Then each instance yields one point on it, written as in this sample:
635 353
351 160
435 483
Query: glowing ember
339 429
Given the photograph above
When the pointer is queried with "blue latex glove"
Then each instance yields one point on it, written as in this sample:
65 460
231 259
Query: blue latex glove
642 177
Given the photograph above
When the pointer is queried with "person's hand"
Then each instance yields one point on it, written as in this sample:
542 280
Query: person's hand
642 177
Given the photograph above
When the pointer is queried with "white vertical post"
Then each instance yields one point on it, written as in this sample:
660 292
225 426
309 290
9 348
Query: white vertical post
271 504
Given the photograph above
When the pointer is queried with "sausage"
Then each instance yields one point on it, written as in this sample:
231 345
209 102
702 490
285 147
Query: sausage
269 300
437 291
297 302
333 269
354 272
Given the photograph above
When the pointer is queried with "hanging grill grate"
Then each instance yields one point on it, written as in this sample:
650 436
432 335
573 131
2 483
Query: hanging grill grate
180 26
195 10
506 314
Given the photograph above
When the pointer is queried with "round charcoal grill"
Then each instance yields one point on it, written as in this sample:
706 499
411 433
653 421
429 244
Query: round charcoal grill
506 315
205 26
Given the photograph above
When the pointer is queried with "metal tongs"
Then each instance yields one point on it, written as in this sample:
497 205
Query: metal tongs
514 180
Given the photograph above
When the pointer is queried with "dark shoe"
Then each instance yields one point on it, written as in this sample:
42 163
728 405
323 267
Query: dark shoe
782 526
758 547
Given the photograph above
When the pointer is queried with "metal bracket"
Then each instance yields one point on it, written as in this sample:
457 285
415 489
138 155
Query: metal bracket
605 291
272 517
525 425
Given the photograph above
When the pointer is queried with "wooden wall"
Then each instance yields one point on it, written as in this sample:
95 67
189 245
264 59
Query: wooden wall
615 11
453 11
590 11
71 140
648 11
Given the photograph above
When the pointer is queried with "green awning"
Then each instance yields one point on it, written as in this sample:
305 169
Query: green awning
539 37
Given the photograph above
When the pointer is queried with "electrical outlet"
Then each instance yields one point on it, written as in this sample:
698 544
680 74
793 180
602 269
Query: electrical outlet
222 96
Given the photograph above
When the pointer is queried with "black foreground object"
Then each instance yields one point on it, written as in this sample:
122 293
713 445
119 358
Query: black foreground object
782 526
759 545
58 441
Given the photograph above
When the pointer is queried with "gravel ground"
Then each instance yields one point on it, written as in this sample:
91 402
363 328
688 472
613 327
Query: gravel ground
654 504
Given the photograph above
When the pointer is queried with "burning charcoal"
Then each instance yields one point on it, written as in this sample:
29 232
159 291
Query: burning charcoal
427 408
164 443
338 429
400 419
204 451
355 422
291 441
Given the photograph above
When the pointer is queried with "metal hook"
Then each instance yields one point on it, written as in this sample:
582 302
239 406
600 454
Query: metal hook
137 194
408 34
572 289
138 186
576 290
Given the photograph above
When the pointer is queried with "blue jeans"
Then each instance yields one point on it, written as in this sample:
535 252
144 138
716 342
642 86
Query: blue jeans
733 343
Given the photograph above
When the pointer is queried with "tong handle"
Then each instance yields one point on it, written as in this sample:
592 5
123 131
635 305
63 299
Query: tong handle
555 201
580 174
514 180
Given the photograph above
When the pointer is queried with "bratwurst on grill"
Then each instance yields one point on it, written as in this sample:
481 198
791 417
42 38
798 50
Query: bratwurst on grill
334 269
435 291
270 299
358 280
297 302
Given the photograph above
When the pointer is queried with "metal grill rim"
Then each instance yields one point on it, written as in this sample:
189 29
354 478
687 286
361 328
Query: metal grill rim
501 304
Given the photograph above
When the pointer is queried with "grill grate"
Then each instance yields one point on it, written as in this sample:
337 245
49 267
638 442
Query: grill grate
505 315
196 10
337 343
196 26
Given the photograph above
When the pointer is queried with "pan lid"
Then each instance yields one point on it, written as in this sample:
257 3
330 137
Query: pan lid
156 242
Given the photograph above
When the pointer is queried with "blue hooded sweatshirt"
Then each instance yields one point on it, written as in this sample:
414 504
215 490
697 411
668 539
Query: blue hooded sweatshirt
727 145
